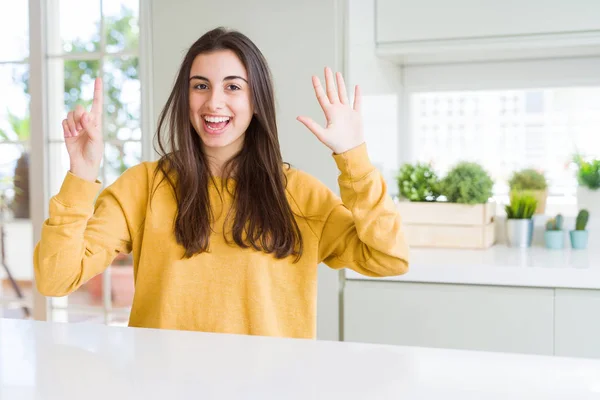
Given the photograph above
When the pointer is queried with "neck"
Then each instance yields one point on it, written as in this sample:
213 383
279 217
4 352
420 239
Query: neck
217 158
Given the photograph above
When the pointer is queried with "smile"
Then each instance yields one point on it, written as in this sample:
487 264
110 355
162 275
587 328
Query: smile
215 125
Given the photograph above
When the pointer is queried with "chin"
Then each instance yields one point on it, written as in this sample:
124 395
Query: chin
215 142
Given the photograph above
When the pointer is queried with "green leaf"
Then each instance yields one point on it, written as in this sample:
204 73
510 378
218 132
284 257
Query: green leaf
418 182
467 183
4 135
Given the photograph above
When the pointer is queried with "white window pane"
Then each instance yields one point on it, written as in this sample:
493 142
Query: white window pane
121 19
58 161
79 76
14 30
507 130
75 28
14 102
123 98
120 156
71 82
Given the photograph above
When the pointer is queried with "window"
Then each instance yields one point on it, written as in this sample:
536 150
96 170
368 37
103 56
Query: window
15 224
100 39
507 130
506 115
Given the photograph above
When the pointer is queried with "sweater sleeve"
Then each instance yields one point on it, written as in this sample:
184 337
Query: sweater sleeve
363 231
82 235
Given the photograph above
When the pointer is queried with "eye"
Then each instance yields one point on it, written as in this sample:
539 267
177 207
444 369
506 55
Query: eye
233 87
201 86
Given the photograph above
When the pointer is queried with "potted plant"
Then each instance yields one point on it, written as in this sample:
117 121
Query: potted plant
20 133
453 212
588 179
532 182
418 182
554 236
467 183
579 236
519 219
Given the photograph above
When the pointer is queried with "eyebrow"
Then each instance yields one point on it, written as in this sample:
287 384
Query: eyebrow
227 78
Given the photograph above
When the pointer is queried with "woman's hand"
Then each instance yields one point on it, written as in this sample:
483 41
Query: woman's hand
344 129
83 137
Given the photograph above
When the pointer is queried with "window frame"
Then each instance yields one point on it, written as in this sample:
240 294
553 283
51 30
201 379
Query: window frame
40 91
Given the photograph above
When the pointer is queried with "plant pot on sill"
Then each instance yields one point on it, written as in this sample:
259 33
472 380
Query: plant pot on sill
579 239
540 195
519 232
438 224
554 239
589 199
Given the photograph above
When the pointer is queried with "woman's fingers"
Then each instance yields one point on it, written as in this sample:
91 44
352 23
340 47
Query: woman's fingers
66 130
71 123
341 88
88 121
321 96
357 99
312 126
77 113
98 98
330 84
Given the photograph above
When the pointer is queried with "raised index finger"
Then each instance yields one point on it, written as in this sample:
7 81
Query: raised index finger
98 97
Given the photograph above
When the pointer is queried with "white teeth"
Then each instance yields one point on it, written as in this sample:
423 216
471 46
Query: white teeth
216 119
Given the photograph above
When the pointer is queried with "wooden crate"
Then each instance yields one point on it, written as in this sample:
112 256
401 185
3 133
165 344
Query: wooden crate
449 225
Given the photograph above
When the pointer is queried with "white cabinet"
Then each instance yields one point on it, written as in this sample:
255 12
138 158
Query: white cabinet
489 318
577 323
412 32
409 20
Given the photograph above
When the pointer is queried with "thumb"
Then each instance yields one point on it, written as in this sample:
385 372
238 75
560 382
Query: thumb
313 127
88 121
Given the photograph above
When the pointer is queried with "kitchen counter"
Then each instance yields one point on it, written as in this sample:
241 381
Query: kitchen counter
504 266
41 360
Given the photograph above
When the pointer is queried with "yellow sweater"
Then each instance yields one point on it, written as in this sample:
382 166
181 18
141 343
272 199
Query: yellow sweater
228 290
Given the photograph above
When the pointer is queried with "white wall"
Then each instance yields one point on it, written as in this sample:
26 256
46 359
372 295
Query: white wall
410 20
298 39
381 84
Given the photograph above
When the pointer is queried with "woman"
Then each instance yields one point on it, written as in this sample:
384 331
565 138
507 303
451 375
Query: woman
225 236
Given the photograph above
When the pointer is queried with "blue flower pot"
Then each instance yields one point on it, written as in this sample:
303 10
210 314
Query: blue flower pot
554 239
579 239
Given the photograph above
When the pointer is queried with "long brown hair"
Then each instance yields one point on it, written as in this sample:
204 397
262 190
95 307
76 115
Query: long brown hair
263 218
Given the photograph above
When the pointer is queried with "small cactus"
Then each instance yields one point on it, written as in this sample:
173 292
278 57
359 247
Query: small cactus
582 220
559 222
555 224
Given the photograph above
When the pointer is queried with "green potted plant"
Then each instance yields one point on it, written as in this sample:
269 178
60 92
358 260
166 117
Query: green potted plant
519 219
467 183
418 182
579 236
588 179
453 212
554 236
532 182
20 133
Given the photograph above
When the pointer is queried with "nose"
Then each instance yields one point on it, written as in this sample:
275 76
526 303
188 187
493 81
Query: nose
216 101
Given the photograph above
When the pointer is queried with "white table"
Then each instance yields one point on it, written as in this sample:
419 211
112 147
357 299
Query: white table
47 361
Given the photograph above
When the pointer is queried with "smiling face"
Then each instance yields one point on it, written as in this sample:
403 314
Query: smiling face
220 102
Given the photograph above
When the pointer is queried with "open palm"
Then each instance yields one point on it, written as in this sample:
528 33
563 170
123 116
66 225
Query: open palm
344 129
